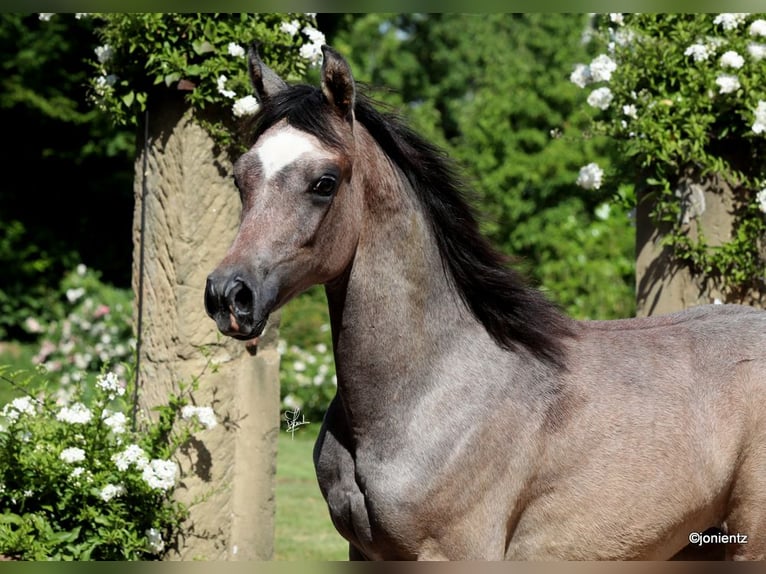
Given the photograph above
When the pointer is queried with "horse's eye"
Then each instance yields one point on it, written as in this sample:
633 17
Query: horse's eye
324 186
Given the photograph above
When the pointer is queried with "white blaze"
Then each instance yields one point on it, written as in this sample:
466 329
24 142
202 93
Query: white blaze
284 148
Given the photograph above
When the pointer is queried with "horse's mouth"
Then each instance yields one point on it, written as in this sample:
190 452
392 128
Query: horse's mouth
245 333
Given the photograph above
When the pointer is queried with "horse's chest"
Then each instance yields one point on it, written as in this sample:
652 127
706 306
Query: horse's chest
364 500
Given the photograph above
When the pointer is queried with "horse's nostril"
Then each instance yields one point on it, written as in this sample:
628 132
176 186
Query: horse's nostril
240 298
212 300
243 299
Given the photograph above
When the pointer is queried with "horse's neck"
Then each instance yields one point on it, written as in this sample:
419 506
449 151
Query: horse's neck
394 314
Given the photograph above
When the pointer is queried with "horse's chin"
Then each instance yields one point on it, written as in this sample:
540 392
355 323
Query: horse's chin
249 336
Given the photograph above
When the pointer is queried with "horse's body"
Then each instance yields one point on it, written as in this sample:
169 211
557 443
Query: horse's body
473 420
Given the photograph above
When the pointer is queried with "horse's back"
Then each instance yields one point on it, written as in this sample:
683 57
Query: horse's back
672 406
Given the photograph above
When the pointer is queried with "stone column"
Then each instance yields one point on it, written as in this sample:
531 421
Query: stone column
191 217
663 284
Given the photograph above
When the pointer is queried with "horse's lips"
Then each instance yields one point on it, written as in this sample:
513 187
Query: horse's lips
252 338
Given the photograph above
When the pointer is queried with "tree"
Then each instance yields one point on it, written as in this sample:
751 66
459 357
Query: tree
683 97
493 89
72 201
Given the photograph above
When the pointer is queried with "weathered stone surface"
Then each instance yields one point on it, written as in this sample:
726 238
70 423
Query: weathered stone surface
662 284
192 213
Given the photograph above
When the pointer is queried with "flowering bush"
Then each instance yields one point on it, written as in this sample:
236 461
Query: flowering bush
76 483
307 378
197 54
684 95
94 332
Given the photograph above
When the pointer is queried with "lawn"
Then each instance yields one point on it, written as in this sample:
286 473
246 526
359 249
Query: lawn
303 527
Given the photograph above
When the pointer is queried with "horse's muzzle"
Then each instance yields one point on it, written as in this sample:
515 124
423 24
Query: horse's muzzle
231 302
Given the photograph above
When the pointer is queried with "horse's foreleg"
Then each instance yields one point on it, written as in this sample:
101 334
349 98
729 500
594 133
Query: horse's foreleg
746 522
354 554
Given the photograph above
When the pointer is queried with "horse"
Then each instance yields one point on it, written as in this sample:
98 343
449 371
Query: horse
473 419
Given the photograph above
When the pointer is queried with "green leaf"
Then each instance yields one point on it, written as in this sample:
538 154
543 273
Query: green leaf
202 47
171 79
128 98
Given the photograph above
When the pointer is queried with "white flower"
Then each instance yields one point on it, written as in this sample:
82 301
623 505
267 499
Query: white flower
17 407
236 50
602 211
81 269
115 421
699 52
313 50
72 455
33 325
221 84
756 51
630 111
77 471
132 455
290 28
45 16
581 76
110 384
154 541
758 28
103 83
314 35
601 68
759 125
730 21
104 53
204 415
590 176
160 474
600 98
110 491
760 198
617 18
321 348
245 106
727 83
299 366
78 413
731 59
73 295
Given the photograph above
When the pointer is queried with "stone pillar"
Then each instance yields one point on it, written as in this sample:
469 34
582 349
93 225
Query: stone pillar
663 285
192 214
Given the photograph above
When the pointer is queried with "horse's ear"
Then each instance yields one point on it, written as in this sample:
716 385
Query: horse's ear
265 81
338 83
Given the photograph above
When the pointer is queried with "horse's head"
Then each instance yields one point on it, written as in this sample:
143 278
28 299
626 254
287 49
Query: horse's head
300 216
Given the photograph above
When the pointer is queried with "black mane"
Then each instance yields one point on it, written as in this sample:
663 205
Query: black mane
513 312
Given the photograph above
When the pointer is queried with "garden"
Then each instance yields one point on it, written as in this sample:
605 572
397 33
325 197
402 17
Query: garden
563 142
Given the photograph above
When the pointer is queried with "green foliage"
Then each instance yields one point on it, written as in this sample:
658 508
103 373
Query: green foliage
77 484
684 95
492 89
74 165
306 369
92 330
28 268
144 54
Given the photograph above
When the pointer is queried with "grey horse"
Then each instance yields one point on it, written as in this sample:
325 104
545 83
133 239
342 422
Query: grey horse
473 419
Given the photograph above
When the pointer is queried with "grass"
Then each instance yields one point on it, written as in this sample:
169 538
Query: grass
304 530
15 357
